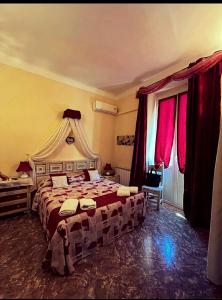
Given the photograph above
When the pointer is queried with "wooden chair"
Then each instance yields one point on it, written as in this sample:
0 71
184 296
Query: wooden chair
154 194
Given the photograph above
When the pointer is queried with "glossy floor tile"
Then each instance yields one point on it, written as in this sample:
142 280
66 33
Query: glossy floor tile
165 258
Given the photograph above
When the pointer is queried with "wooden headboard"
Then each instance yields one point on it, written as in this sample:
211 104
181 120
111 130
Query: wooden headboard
44 168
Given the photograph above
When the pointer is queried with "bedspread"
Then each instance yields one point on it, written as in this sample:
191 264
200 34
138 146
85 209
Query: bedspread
71 238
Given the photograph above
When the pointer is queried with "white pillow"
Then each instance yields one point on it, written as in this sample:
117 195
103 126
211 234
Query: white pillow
59 181
94 175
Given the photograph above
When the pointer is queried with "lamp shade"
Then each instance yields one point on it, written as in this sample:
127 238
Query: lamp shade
24 166
108 167
108 170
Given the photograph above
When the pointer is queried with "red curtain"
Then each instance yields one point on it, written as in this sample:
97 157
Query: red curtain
165 131
202 65
181 130
138 169
203 127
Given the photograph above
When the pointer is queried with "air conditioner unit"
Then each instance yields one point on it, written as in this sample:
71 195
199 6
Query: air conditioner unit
105 107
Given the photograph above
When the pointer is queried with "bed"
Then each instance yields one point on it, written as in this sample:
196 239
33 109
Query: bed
71 238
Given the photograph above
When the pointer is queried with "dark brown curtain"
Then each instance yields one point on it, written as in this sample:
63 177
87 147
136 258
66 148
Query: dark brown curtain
138 169
203 126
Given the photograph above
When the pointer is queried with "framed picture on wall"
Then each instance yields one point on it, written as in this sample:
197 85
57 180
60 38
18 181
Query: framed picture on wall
80 165
127 140
91 164
70 140
55 167
40 169
69 166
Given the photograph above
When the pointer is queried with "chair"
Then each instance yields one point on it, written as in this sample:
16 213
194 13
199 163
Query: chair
154 194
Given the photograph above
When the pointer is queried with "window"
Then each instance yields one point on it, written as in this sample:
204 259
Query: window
167 135
168 109
165 130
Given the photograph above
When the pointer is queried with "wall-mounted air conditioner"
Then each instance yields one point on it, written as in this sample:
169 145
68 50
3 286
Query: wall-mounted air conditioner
105 107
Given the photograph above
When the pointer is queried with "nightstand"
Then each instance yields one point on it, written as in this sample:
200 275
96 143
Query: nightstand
15 196
115 178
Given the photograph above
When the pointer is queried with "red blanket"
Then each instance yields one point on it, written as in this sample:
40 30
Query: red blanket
101 201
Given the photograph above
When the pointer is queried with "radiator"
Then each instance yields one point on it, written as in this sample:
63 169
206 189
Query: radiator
124 175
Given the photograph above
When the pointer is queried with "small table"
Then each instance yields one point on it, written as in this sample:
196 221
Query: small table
115 178
15 196
16 182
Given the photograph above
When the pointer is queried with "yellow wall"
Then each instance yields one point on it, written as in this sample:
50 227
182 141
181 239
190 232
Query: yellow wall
125 125
31 109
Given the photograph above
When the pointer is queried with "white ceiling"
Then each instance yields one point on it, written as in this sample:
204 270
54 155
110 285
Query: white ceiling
111 47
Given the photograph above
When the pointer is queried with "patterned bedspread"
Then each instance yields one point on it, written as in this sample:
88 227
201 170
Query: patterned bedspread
71 238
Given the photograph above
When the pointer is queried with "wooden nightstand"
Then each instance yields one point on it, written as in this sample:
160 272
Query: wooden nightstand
15 196
115 178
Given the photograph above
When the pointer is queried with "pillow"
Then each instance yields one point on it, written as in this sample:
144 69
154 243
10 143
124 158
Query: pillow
58 174
94 175
75 178
86 174
59 181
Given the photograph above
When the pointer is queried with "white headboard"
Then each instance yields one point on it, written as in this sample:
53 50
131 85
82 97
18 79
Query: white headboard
44 168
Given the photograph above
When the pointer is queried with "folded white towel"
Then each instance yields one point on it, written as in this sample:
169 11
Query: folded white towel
87 203
69 207
132 189
123 192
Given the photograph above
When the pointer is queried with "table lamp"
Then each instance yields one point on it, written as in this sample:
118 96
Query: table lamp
24 167
108 170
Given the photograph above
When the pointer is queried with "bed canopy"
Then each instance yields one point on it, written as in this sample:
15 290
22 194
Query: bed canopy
71 122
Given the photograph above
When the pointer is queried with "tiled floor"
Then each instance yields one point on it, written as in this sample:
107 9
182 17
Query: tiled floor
165 258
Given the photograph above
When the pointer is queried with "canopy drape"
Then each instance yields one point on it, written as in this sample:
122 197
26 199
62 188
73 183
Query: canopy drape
81 142
53 142
63 130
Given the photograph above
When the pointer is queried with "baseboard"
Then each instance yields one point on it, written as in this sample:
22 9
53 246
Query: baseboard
172 204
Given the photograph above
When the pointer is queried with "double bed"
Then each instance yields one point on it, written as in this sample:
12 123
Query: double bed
71 238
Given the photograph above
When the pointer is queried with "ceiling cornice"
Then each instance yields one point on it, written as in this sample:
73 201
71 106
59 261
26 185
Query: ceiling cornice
166 72
53 76
77 84
151 80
